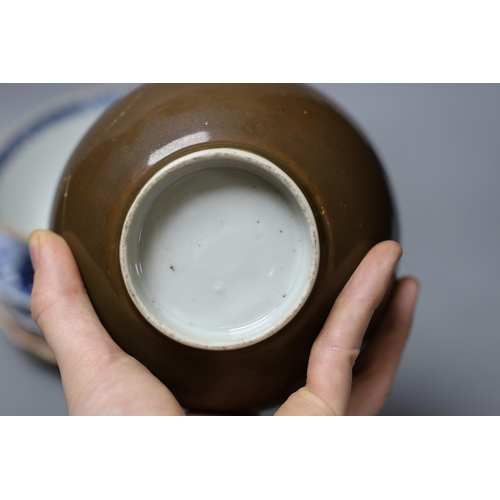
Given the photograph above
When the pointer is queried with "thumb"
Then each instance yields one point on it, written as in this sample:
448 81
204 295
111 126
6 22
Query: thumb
61 308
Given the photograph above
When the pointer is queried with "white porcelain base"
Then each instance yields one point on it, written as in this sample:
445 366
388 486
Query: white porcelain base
220 249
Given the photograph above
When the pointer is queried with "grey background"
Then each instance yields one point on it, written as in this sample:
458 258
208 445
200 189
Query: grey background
441 149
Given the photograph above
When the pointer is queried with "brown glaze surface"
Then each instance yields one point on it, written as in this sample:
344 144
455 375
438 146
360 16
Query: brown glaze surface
291 125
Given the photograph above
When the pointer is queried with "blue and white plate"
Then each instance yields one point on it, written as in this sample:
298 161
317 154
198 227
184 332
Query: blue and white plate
33 155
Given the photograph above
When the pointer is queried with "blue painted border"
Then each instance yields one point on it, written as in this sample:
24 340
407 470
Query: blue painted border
51 118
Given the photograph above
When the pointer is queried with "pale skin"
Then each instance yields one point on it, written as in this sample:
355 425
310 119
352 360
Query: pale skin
99 378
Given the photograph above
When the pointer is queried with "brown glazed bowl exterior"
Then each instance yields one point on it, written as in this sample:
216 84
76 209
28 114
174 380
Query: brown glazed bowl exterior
291 125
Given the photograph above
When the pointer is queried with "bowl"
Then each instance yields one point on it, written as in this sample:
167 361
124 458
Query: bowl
214 225
33 154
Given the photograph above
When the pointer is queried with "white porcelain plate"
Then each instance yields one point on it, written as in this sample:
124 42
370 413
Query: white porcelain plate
33 155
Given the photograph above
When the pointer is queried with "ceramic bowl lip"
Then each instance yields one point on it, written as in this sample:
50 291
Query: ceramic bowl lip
280 176
15 136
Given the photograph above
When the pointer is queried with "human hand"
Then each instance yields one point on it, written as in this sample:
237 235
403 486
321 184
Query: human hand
99 378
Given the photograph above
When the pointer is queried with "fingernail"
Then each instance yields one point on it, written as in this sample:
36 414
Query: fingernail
34 249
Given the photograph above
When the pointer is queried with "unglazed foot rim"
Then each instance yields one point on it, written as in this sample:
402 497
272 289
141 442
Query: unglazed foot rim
282 194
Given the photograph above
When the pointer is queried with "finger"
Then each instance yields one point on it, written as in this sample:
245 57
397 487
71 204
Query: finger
61 308
377 365
335 350
337 347
98 376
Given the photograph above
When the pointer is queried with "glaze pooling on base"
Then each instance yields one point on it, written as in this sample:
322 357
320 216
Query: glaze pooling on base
219 250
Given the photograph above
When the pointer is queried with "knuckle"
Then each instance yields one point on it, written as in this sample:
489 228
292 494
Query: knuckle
41 306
